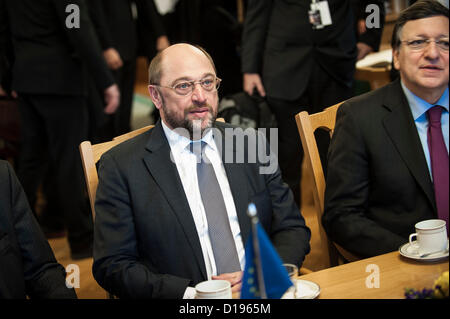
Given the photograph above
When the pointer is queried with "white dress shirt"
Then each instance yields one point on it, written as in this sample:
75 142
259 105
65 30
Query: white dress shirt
186 163
165 6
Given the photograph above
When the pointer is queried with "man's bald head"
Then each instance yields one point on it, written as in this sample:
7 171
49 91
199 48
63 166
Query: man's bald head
173 52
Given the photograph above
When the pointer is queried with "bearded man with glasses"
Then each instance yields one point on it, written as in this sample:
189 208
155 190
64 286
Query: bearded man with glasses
168 217
388 158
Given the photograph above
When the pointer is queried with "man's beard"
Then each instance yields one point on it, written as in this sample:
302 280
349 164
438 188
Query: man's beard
194 127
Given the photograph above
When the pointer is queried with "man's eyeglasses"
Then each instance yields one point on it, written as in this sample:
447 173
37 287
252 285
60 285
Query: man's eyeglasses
187 87
420 44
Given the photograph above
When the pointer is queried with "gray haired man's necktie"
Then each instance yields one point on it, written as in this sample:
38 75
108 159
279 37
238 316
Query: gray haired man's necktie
219 229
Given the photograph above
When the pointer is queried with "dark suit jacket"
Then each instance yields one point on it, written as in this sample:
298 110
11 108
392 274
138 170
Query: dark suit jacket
117 28
49 57
279 43
378 184
146 244
27 264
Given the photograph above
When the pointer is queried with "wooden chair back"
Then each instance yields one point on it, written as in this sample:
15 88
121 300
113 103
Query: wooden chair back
307 124
90 155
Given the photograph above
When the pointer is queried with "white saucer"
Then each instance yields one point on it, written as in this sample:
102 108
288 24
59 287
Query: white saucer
411 251
305 290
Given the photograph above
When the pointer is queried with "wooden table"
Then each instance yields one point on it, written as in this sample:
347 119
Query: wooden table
395 273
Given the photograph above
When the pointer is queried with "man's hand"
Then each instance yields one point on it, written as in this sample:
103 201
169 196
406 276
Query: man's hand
162 42
361 26
252 81
363 50
2 92
112 99
113 59
235 279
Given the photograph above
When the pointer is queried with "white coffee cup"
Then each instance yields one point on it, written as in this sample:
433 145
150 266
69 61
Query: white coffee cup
213 289
431 236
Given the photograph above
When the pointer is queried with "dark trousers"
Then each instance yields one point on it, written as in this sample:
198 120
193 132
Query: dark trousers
125 78
322 91
100 123
52 128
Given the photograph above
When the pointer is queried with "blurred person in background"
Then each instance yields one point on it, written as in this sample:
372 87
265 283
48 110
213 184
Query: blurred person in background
302 59
53 58
123 28
215 26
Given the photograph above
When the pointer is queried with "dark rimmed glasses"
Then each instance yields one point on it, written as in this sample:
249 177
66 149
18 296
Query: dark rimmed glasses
420 44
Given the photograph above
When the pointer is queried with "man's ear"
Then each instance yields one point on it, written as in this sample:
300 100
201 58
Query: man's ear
155 96
395 59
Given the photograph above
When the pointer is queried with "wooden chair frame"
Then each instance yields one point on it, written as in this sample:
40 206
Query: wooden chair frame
307 124
90 155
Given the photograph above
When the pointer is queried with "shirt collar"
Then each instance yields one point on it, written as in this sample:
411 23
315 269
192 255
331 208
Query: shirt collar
179 142
419 106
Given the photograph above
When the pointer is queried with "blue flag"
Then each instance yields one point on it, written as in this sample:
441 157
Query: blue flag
276 278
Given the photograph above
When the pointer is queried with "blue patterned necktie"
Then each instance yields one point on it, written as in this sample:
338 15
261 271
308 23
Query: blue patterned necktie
223 245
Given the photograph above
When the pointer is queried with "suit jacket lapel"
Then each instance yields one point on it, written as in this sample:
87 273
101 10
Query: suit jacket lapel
401 128
237 179
165 174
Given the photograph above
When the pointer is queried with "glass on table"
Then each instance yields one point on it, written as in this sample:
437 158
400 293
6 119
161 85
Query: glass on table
292 271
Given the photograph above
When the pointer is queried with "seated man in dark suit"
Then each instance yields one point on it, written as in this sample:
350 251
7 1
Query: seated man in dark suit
27 264
388 159
165 219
